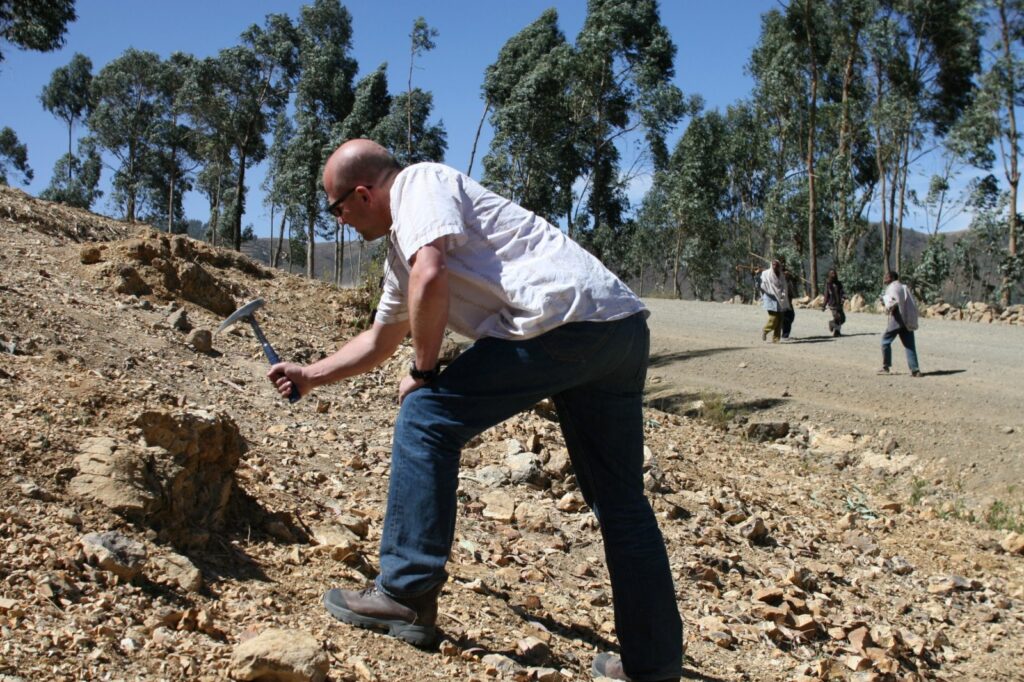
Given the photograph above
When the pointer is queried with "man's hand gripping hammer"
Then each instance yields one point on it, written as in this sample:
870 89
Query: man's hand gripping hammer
247 312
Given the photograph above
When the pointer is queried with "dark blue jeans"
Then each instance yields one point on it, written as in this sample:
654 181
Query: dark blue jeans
595 373
907 339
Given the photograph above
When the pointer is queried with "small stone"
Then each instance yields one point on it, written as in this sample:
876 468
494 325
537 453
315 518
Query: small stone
571 502
761 432
179 320
533 651
114 552
1013 543
499 506
753 529
201 340
90 254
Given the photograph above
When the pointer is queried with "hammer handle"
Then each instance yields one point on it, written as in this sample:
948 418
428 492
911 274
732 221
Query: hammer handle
272 355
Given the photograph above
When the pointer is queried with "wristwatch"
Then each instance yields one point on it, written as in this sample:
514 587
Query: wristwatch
426 375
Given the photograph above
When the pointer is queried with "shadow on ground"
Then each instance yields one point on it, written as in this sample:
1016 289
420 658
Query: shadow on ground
682 404
661 359
942 372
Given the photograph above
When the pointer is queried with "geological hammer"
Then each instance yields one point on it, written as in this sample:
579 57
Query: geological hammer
248 312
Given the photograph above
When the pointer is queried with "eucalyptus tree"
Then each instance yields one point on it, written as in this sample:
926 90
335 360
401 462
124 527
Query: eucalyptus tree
814 38
922 57
370 106
850 173
176 146
66 96
622 83
35 25
746 151
323 98
126 107
780 102
429 140
274 186
993 122
534 156
235 95
13 157
76 177
696 192
421 40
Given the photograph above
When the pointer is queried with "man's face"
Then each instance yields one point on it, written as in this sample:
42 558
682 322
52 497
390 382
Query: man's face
358 207
887 279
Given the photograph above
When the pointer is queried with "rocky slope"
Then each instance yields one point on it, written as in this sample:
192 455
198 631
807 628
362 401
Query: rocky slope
166 516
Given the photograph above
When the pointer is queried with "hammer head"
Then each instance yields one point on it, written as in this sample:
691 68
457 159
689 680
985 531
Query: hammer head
242 313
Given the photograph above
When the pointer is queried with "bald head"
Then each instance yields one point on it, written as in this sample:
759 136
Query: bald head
358 162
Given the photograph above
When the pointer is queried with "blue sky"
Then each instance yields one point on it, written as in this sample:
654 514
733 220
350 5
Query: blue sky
714 41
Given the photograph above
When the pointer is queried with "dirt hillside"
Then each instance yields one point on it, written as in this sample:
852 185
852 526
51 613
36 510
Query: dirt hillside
164 514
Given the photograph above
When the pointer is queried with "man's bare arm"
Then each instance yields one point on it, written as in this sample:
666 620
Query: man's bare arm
428 303
359 355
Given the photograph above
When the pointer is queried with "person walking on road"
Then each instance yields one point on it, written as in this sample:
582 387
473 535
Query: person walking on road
548 320
834 299
774 299
901 308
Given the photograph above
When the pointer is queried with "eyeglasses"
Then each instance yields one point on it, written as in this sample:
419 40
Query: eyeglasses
335 207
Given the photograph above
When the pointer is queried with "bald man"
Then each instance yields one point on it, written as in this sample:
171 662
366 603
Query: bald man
548 320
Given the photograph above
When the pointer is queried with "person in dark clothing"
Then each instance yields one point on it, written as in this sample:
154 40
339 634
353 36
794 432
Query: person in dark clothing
834 298
790 314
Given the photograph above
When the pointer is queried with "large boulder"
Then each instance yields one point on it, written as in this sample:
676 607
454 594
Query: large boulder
180 482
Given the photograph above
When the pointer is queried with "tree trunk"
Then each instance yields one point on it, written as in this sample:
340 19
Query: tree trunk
69 153
880 164
215 211
812 247
845 154
1012 173
898 217
476 138
310 256
170 204
676 258
239 190
280 239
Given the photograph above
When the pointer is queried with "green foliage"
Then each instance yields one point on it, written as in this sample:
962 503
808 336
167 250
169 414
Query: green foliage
928 275
127 103
66 96
35 24
534 156
918 491
1005 516
622 79
76 178
13 156
429 140
715 410
233 97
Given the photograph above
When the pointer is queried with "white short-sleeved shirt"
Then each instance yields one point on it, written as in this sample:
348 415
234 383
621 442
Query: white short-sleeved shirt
512 275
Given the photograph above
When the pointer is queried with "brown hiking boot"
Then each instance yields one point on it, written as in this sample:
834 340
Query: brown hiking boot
609 666
410 620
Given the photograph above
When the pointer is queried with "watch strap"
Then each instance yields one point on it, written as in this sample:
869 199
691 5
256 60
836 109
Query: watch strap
427 375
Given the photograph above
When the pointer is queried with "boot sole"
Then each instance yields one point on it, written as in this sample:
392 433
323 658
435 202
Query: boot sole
422 636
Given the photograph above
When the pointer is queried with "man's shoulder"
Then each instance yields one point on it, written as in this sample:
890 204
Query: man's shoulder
427 168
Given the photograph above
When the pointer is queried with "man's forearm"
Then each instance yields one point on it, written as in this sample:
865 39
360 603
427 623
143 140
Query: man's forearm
428 305
359 355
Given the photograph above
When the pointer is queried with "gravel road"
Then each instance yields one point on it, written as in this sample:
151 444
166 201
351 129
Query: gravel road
964 417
